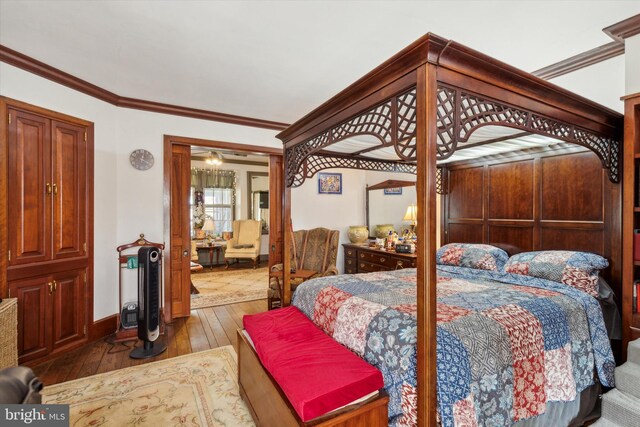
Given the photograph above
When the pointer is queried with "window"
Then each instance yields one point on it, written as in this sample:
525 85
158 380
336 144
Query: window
218 204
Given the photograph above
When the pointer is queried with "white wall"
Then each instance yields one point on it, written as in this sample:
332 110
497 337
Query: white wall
596 82
127 201
334 211
632 65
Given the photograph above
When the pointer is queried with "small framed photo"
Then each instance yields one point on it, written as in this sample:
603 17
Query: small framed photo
393 190
329 183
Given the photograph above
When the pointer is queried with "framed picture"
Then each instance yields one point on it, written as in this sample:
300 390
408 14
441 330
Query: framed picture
393 190
329 183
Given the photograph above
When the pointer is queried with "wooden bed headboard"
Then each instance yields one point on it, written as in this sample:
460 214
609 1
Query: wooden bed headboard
557 198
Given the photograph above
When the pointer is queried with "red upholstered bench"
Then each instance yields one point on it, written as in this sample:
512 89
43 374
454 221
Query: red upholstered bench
292 373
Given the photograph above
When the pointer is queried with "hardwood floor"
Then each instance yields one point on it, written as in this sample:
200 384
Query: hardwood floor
206 328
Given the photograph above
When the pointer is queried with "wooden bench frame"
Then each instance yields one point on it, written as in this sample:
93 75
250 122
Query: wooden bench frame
270 407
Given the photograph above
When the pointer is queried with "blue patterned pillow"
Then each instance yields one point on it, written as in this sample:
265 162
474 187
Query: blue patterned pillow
480 257
577 269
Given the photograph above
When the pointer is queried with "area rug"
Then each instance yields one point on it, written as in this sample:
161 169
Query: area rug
199 389
229 286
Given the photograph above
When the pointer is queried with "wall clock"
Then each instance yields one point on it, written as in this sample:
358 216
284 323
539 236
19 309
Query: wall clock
141 159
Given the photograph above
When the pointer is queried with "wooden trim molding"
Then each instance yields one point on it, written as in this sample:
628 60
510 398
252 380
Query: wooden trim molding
624 29
103 327
56 75
631 96
581 60
618 32
245 148
4 209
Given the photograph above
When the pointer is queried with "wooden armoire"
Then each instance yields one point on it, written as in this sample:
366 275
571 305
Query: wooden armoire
49 220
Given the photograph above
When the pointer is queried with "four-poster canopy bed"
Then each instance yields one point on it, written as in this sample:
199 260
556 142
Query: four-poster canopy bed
416 111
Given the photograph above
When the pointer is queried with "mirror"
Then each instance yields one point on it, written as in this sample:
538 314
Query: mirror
387 202
258 191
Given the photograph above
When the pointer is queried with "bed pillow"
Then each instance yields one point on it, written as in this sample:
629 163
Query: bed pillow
576 269
480 257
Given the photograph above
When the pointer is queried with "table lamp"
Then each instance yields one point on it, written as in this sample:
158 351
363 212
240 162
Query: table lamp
411 216
208 228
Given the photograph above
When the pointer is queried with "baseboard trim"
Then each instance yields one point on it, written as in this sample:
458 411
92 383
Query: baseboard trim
103 327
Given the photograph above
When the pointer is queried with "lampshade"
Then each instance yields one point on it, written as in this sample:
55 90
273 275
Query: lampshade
411 214
208 225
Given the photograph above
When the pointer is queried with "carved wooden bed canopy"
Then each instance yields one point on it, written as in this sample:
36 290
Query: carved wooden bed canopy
413 113
464 102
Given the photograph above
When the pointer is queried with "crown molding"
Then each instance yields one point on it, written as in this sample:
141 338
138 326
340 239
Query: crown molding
624 29
618 32
582 60
41 69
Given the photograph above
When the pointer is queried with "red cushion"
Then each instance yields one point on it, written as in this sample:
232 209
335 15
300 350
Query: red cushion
316 373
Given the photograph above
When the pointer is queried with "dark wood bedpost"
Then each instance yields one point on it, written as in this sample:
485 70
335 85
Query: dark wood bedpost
426 232
286 251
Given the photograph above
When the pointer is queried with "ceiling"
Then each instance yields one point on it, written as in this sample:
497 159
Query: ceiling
229 155
278 60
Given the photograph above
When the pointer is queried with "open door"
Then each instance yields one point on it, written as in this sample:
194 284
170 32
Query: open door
177 187
180 257
276 190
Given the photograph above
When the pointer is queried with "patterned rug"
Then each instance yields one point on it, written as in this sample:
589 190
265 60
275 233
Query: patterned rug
220 287
199 389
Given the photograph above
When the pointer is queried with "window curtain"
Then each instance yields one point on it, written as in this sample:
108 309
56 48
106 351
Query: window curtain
209 178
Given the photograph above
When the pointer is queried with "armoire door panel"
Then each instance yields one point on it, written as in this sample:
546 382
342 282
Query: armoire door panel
34 328
68 307
69 192
49 209
29 187
179 231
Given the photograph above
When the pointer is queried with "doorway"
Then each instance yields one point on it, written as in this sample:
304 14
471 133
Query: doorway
179 217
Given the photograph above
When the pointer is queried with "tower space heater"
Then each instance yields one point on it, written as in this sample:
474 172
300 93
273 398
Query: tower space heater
148 304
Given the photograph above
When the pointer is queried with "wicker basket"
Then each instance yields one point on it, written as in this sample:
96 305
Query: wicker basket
8 333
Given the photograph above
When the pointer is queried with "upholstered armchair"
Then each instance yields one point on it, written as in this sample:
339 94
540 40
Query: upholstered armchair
245 243
315 249
194 251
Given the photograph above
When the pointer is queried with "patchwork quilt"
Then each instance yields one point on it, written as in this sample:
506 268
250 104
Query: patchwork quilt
506 343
